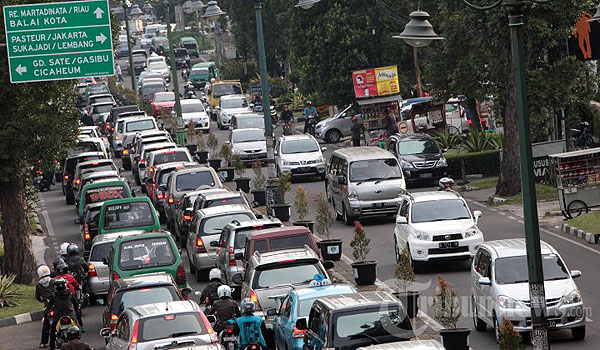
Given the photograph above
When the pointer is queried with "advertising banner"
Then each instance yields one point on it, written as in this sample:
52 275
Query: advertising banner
375 82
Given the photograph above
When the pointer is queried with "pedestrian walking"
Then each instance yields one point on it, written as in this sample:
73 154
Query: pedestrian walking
390 123
357 130
119 73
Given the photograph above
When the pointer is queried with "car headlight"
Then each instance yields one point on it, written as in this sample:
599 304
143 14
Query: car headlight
471 231
508 302
352 195
420 235
442 162
572 298
235 151
405 164
285 162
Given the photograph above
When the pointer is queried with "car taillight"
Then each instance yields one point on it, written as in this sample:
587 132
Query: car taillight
200 248
125 151
254 298
65 320
180 275
159 195
66 177
114 276
51 314
134 336
142 162
92 271
86 231
77 181
151 170
116 137
170 200
107 126
298 333
214 337
232 261
187 217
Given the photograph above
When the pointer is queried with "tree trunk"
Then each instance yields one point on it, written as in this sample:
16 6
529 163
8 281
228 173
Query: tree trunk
509 181
472 106
18 254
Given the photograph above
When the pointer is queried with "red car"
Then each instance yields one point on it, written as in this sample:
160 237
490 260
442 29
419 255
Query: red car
163 101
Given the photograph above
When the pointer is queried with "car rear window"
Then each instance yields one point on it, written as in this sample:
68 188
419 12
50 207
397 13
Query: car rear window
72 162
214 225
369 323
170 157
145 253
86 146
191 181
100 251
134 297
288 242
171 326
101 194
125 215
289 273
140 125
242 234
223 201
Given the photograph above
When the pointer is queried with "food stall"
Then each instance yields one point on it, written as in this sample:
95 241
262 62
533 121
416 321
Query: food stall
577 181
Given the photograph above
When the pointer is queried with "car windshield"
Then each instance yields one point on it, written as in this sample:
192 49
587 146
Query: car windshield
290 242
226 89
145 253
375 169
150 89
86 146
245 123
87 168
439 210
192 107
181 52
101 194
418 147
514 269
234 103
298 273
200 71
166 97
140 125
171 326
248 136
102 108
189 45
139 58
100 251
158 65
170 157
379 322
125 215
150 295
223 201
100 99
147 36
97 89
156 59
299 146
191 181
214 225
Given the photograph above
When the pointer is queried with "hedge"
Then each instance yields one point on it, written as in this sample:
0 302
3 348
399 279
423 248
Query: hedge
486 163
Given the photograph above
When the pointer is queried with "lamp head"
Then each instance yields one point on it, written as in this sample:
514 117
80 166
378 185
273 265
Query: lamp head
418 32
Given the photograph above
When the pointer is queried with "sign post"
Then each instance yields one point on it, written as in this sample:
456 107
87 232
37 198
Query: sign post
56 41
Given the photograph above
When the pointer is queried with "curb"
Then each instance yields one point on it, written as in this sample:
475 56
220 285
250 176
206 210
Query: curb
574 231
22 318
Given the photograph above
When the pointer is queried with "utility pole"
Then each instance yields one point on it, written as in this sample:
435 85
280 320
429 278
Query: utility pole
174 80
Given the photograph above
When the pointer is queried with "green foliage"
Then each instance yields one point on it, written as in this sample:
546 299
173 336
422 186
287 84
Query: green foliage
510 339
445 302
259 177
213 144
486 163
477 141
360 243
7 291
404 272
301 202
238 164
200 140
284 184
446 139
225 152
324 217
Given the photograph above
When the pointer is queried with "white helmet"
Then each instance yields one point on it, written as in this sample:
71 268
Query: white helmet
63 248
43 271
224 291
214 274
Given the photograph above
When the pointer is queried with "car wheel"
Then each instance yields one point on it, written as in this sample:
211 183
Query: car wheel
480 326
348 220
578 333
333 136
338 216
496 328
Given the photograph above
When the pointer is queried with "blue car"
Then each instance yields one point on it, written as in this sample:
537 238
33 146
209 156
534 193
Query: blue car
297 305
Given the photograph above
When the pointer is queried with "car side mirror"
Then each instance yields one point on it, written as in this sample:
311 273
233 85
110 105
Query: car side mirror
105 261
212 319
272 312
259 216
341 180
575 273
484 281
238 256
228 142
328 264
323 149
301 324
185 292
77 221
401 220
105 333
214 244
237 278
477 214
121 170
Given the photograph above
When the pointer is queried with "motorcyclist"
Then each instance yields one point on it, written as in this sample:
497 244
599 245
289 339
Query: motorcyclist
209 294
74 340
249 328
446 184
76 264
286 115
44 290
224 309
310 112
188 90
62 302
55 264
72 285
63 249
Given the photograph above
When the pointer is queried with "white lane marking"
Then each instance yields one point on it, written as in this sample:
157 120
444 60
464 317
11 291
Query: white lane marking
512 217
580 245
502 213
520 221
48 223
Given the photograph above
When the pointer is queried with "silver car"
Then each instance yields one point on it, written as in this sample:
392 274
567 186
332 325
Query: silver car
364 181
202 254
249 144
176 324
334 128
500 289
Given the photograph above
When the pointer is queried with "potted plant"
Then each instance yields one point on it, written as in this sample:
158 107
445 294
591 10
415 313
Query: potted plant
301 203
259 181
191 143
281 209
331 249
213 144
201 153
227 171
510 339
405 276
365 272
447 312
241 182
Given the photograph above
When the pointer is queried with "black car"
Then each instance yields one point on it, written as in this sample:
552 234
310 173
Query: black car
182 57
75 157
420 157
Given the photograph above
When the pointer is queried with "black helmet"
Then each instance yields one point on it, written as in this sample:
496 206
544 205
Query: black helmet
73 333
62 267
72 249
247 306
60 285
57 262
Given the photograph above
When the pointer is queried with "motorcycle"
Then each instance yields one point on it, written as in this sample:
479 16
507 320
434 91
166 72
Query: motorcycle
41 182
312 124
582 137
228 338
287 128
273 114
62 326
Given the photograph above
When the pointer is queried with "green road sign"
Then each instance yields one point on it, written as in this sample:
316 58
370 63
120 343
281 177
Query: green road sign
55 41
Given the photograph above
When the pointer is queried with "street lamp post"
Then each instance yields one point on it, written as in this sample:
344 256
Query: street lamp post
126 4
174 79
537 295
213 12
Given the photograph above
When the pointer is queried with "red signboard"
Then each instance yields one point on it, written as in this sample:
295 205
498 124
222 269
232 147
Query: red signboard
365 83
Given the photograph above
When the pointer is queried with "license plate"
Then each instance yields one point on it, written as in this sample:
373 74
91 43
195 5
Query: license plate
378 204
229 339
446 245
552 324
426 176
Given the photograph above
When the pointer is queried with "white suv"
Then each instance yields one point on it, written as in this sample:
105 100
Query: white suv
300 155
229 106
436 226
500 290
